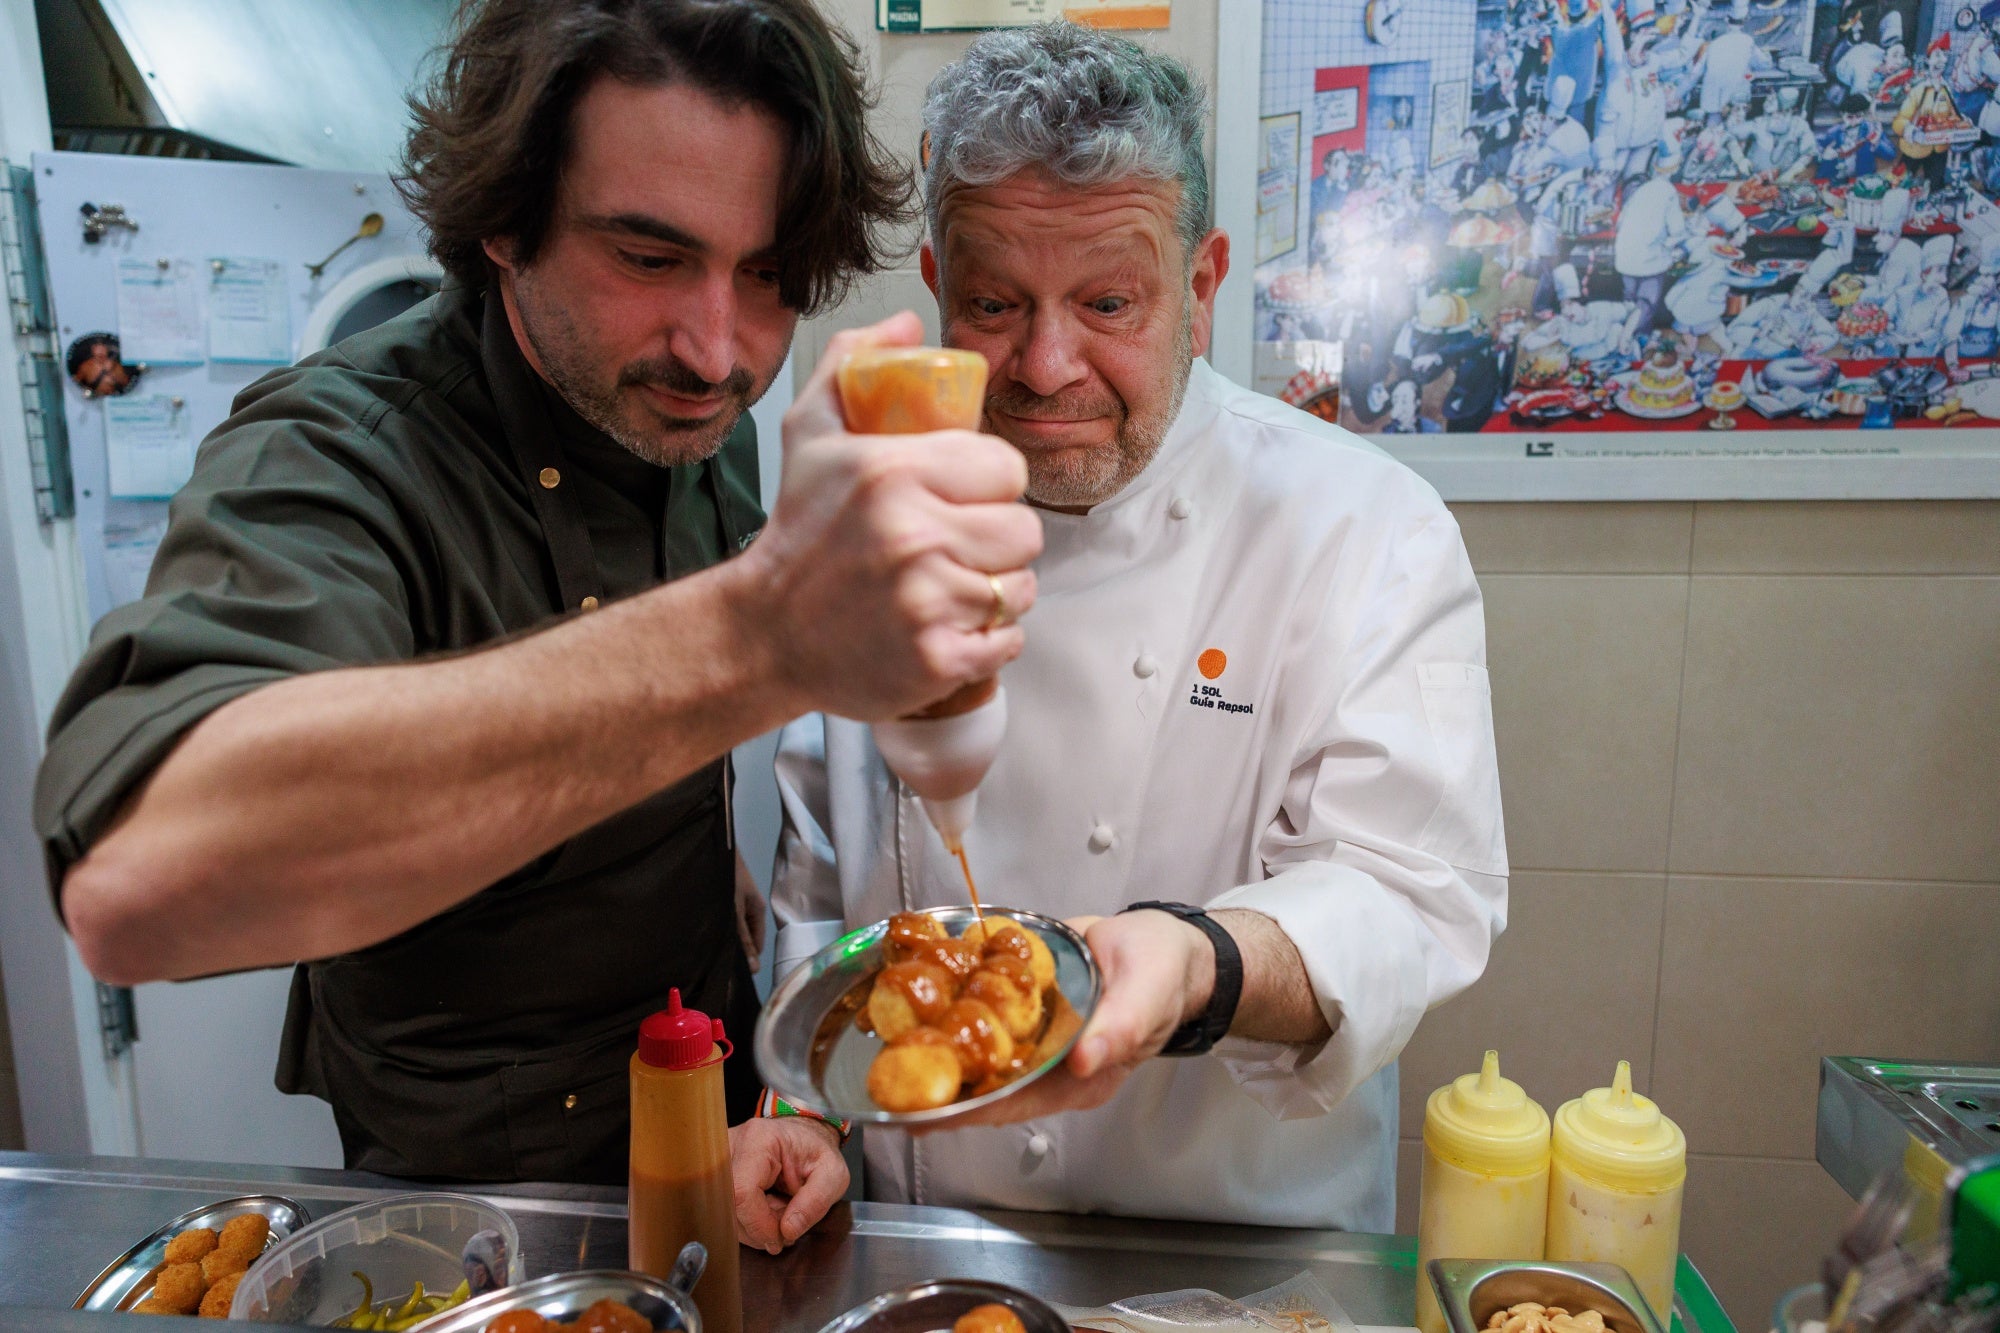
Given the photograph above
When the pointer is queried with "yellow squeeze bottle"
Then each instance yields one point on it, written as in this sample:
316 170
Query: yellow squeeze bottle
1618 1169
1485 1178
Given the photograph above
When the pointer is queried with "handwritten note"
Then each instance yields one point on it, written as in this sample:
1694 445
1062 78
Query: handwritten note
159 312
150 448
249 312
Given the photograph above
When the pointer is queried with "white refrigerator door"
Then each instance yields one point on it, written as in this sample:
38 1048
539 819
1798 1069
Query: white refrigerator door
203 1064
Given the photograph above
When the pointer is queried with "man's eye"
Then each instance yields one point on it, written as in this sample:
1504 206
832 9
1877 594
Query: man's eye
1109 305
986 305
648 263
766 276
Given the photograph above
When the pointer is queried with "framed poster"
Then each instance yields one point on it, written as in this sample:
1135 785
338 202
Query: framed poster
1639 248
1278 186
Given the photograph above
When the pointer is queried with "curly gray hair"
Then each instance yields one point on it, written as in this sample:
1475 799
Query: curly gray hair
1085 106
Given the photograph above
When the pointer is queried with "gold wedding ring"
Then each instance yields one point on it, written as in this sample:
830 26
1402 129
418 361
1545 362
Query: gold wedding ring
999 615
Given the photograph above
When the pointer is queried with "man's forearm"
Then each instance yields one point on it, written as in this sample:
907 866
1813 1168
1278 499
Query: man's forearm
334 810
1278 1002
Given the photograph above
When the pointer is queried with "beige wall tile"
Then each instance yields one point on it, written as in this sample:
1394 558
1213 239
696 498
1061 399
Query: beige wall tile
1757 1228
1855 537
1409 1180
1586 687
1568 993
1842 727
1577 538
1761 978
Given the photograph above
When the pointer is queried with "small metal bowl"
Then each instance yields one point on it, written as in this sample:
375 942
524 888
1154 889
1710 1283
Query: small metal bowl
931 1307
1472 1291
564 1296
129 1278
810 1052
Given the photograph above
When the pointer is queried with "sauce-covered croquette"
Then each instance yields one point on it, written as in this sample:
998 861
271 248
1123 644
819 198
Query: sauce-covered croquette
608 1316
191 1246
519 1321
989 1319
215 1305
222 1262
179 1287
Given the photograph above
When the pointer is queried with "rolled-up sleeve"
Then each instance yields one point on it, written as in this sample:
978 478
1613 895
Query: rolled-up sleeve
1386 865
281 557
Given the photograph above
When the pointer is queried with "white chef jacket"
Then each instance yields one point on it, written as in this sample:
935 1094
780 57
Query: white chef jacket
1337 774
1651 230
1732 57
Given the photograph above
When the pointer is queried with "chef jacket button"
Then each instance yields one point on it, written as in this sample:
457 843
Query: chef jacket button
1038 1145
1145 666
1101 838
588 603
569 1102
550 478
1180 508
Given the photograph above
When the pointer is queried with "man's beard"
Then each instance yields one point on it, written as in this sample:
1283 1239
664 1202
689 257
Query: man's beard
1081 478
612 402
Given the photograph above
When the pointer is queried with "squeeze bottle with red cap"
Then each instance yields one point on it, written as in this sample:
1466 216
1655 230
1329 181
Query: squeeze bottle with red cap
681 1188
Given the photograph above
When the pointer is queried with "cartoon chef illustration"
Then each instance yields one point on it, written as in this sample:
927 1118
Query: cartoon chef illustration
1598 332
1730 61
1787 325
1970 332
1919 312
1782 140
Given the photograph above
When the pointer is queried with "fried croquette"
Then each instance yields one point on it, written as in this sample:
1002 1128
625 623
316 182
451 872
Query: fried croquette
1011 994
221 1263
215 1305
191 1246
179 1287
609 1316
908 995
1003 936
910 931
151 1306
988 1319
519 1321
915 1076
959 957
979 1038
245 1234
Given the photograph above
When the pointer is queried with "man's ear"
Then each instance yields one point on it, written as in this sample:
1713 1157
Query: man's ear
500 250
1210 267
927 265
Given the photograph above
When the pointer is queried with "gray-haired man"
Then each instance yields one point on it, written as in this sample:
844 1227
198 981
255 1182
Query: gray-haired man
1254 681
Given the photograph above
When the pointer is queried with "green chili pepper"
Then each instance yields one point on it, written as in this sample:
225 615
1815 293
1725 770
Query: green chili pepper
365 1309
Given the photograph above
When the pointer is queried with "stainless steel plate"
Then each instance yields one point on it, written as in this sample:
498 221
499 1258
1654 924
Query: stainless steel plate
810 1052
567 1295
129 1278
931 1307
1470 1291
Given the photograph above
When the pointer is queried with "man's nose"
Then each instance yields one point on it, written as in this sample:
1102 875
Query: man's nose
1051 359
703 334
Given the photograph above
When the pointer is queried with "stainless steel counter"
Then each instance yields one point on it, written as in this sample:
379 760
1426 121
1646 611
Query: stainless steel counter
1926 1118
62 1219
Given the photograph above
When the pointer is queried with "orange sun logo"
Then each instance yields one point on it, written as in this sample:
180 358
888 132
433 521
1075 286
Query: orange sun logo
1211 662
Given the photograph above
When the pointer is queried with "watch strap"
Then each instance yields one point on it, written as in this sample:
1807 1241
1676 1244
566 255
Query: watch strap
1199 1034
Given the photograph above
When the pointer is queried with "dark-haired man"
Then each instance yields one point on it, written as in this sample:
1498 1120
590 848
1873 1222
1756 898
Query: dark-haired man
445 646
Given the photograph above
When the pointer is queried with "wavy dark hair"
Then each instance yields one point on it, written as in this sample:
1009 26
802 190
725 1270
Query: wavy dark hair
493 124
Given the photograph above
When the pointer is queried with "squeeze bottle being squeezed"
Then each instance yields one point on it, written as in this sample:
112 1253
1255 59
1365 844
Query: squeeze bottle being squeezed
680 1186
943 751
1617 1171
1485 1177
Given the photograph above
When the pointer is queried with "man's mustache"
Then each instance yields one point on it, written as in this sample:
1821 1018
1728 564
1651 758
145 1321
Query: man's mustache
675 377
1015 401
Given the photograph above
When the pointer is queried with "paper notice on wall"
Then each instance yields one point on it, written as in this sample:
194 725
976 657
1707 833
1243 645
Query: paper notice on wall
149 446
249 312
949 15
159 313
128 559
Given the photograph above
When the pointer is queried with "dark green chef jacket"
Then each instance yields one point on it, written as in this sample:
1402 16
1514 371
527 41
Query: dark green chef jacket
383 501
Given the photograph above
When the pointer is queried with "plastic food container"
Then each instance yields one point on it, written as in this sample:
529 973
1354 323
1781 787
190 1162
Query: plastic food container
398 1242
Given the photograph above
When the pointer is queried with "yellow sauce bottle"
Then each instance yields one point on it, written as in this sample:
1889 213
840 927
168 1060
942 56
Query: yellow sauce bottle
1617 1172
1486 1177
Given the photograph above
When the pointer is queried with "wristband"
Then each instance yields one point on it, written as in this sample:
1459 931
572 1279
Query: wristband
1199 1034
770 1106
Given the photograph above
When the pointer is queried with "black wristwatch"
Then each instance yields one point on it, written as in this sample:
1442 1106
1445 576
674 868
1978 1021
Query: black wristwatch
1198 1035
